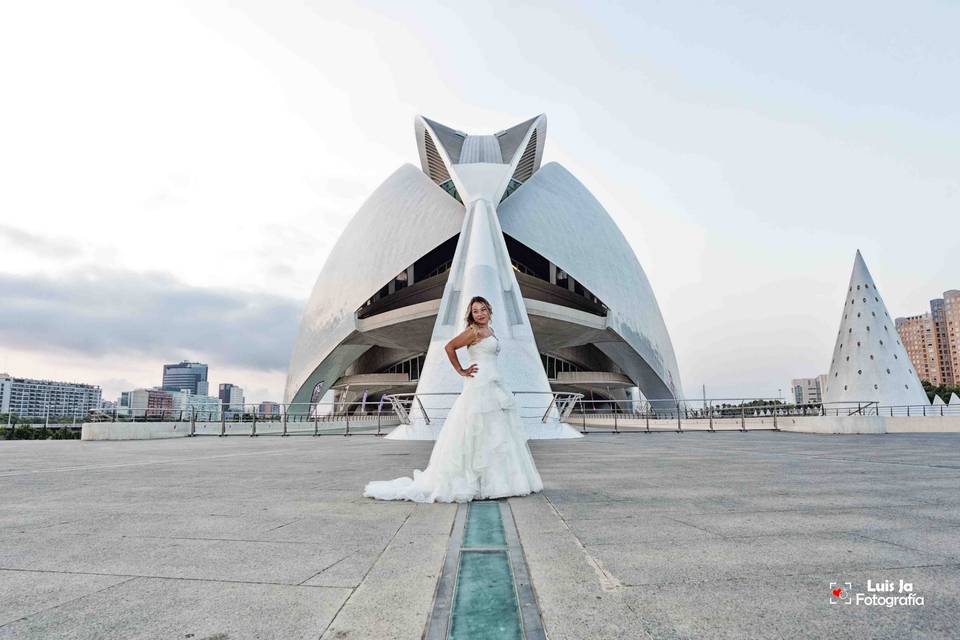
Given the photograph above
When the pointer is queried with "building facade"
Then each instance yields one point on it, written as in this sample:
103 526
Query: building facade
231 398
47 398
932 340
481 216
920 340
185 405
808 390
268 409
147 403
191 376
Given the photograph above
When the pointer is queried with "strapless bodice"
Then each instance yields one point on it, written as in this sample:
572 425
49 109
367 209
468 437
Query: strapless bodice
485 347
484 355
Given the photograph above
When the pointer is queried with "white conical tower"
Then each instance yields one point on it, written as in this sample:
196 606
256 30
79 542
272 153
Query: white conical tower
869 363
953 407
482 267
937 400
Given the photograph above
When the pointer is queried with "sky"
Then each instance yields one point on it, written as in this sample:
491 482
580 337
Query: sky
174 174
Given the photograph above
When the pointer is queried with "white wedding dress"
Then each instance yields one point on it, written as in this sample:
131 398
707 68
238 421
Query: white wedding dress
481 451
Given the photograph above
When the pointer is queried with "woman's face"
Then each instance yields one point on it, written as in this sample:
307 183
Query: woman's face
480 313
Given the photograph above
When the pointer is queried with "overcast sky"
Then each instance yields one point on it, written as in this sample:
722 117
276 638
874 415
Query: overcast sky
173 175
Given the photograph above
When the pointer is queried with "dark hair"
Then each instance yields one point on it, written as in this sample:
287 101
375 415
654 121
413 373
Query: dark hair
481 300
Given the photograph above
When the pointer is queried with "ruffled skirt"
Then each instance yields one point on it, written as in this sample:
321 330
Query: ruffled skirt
481 452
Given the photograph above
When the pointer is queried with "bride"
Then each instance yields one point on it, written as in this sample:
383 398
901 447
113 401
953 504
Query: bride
482 450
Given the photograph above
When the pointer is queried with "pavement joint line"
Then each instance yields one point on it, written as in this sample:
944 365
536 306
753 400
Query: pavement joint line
66 602
8 474
817 456
787 535
852 532
903 546
688 524
100 536
282 525
329 566
664 512
153 577
362 578
608 581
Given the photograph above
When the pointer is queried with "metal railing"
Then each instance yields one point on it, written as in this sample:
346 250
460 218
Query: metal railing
375 417
680 415
409 406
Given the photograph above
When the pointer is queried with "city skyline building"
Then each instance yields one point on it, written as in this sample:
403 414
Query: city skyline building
808 390
47 398
152 403
267 409
481 216
919 338
933 339
202 406
231 398
186 375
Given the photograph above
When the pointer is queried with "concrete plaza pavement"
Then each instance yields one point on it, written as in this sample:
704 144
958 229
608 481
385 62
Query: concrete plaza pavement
664 535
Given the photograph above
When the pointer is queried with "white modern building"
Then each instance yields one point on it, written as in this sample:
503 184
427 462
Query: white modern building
481 216
870 364
46 398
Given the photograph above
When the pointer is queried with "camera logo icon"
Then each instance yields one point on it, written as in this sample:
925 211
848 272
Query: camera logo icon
840 592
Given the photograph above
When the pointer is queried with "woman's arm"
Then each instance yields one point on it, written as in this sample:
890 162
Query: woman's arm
466 338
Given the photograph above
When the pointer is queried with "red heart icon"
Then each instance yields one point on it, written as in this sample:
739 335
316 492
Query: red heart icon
837 592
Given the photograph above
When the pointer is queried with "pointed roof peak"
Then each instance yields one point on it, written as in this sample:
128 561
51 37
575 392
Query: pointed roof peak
860 276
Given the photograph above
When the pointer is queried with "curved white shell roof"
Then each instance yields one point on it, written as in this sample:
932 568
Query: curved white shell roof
406 217
869 363
552 213
556 216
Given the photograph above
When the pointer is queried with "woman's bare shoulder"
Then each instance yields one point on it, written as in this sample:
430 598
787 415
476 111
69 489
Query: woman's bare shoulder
465 338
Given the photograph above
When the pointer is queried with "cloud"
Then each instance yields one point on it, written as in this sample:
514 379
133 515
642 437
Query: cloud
106 311
41 245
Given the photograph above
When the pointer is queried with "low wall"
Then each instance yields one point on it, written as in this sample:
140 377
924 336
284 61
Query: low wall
606 423
930 424
134 430
154 430
833 424
796 424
